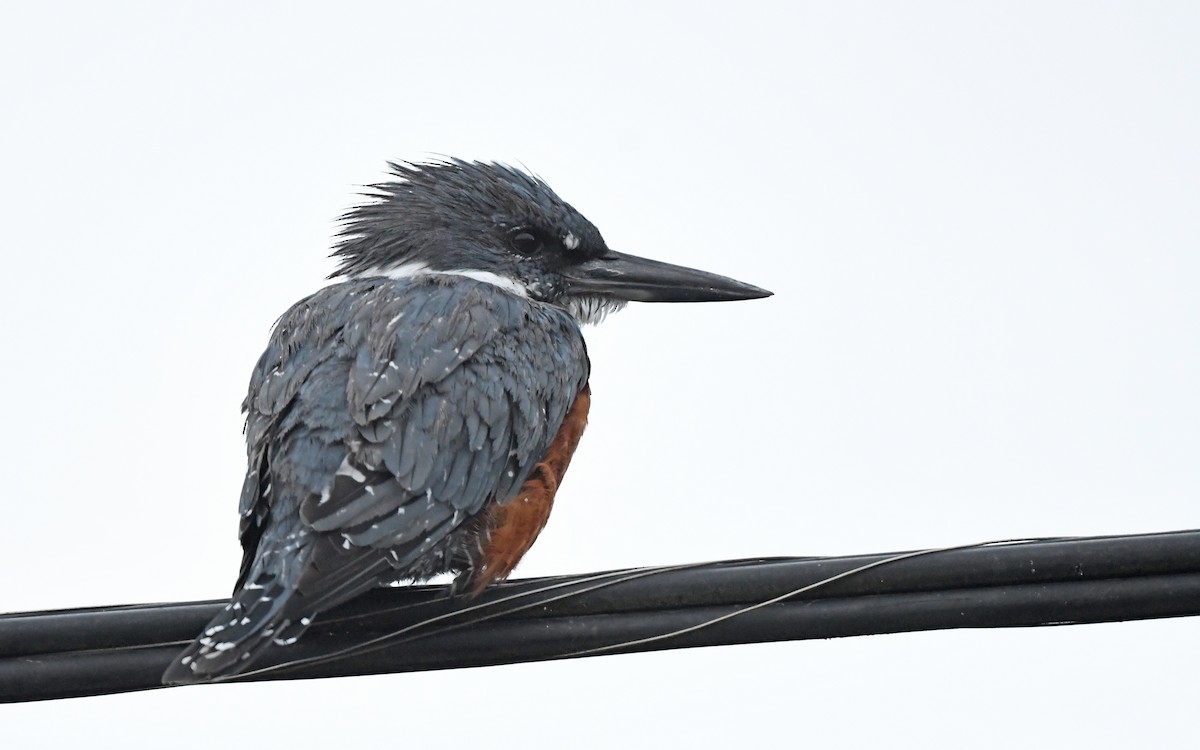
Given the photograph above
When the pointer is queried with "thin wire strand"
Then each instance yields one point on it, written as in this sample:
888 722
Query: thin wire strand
788 595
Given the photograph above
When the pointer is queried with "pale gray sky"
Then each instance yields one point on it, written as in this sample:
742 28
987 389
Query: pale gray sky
979 220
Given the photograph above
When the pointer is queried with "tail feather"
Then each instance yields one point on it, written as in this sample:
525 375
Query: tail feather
235 637
266 612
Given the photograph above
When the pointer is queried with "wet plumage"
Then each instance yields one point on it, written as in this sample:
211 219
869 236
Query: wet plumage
417 416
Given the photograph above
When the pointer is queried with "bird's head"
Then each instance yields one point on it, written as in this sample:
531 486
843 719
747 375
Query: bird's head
498 224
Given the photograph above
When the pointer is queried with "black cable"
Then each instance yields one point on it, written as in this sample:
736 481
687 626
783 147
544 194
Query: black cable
1104 579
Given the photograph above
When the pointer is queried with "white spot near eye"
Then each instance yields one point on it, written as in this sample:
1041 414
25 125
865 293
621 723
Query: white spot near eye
570 241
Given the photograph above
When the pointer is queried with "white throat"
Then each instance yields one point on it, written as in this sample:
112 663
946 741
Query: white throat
592 309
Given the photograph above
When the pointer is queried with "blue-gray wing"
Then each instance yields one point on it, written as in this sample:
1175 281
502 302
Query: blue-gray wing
384 414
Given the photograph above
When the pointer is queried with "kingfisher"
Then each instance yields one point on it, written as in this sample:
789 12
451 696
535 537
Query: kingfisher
416 416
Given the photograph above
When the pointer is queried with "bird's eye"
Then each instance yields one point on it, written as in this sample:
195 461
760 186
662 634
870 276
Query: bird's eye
524 241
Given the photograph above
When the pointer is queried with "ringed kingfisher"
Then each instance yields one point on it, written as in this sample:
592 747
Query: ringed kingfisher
416 416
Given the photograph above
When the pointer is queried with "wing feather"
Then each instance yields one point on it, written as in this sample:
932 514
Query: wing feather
385 415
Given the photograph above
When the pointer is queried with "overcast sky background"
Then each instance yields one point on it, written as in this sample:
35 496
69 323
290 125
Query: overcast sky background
979 221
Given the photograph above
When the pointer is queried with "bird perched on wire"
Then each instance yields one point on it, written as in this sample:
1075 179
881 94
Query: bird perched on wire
417 416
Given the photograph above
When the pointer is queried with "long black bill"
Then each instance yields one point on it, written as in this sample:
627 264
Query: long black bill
629 277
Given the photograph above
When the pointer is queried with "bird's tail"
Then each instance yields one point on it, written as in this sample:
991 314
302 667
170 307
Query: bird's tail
257 616
275 608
